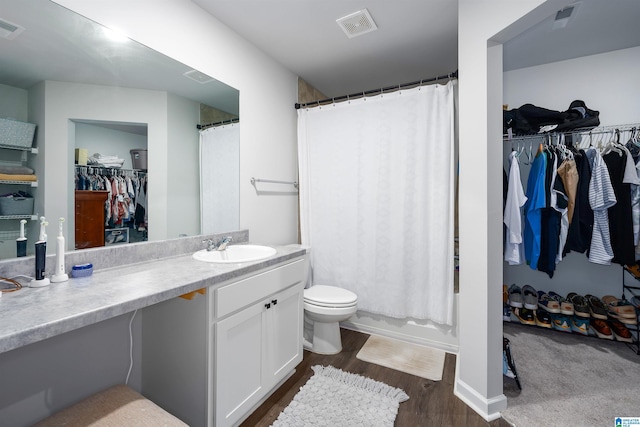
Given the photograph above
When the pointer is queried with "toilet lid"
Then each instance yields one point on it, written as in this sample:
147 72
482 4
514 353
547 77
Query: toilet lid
329 296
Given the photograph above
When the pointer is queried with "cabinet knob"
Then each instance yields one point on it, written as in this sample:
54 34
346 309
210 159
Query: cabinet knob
274 301
267 306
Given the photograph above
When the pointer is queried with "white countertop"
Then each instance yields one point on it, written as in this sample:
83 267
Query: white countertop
34 314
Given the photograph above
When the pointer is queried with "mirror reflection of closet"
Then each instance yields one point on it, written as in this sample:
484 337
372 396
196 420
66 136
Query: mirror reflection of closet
110 183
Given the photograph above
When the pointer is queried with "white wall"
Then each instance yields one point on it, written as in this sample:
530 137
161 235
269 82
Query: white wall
607 83
267 94
108 142
183 168
13 103
479 373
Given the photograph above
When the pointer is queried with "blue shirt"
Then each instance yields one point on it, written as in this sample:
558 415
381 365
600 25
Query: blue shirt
536 201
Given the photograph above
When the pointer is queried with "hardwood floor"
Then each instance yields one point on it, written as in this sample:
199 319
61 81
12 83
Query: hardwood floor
431 403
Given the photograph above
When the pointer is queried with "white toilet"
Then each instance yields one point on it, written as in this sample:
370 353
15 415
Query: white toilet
324 308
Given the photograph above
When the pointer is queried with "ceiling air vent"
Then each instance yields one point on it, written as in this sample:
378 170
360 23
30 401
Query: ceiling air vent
198 76
357 23
562 16
9 30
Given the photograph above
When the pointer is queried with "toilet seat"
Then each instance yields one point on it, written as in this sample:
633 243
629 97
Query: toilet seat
329 296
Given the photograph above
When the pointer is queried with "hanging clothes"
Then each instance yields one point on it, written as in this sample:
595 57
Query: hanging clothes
561 205
550 218
619 215
515 200
581 226
533 209
601 198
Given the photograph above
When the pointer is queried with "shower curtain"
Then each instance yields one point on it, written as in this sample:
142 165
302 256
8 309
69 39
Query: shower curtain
377 199
219 171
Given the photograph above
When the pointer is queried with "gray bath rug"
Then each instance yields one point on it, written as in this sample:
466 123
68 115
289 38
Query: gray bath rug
335 398
414 359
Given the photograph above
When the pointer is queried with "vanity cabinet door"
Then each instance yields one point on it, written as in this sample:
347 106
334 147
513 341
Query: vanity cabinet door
284 334
239 364
256 348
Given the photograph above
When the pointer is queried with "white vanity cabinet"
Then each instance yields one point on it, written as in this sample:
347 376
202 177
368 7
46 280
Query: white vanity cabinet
212 359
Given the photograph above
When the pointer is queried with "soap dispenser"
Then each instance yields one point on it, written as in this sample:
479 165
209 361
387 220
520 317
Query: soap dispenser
59 274
41 257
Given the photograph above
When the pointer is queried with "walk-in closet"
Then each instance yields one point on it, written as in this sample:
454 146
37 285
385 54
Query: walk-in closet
607 82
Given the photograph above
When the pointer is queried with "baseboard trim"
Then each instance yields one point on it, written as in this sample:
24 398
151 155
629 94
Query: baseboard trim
371 330
489 409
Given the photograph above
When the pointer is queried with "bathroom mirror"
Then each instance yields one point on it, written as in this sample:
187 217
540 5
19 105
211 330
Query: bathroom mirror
59 65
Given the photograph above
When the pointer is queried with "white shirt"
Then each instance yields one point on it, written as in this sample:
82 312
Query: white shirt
513 247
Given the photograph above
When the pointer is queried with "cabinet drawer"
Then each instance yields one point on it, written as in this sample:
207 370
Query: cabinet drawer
239 294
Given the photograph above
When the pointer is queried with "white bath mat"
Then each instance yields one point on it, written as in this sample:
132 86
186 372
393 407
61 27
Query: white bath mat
414 359
336 398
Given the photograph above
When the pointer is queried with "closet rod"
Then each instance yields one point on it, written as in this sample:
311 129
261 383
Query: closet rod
388 89
105 169
223 122
584 131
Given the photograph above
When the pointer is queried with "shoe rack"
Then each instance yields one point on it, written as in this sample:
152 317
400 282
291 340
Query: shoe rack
633 290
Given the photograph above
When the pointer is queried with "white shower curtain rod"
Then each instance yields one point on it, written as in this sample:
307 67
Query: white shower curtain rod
318 103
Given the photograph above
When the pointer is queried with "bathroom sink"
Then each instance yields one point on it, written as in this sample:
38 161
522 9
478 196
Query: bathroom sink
235 253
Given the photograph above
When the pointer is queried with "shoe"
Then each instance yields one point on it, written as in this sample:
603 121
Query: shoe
626 319
515 296
601 329
543 319
580 306
634 270
596 307
566 306
561 322
619 306
529 297
547 303
506 313
580 325
620 331
524 315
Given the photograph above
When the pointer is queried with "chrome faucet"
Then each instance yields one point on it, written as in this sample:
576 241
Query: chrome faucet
221 245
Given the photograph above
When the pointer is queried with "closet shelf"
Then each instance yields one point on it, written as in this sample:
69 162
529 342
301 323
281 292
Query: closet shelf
11 182
32 150
31 217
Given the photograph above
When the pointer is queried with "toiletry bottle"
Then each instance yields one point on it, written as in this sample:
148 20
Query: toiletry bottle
59 274
41 257
21 242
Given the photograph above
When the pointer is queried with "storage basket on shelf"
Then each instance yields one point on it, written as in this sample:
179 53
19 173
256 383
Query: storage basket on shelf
16 133
139 158
16 204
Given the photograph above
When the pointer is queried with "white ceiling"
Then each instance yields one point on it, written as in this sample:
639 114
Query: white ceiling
416 39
